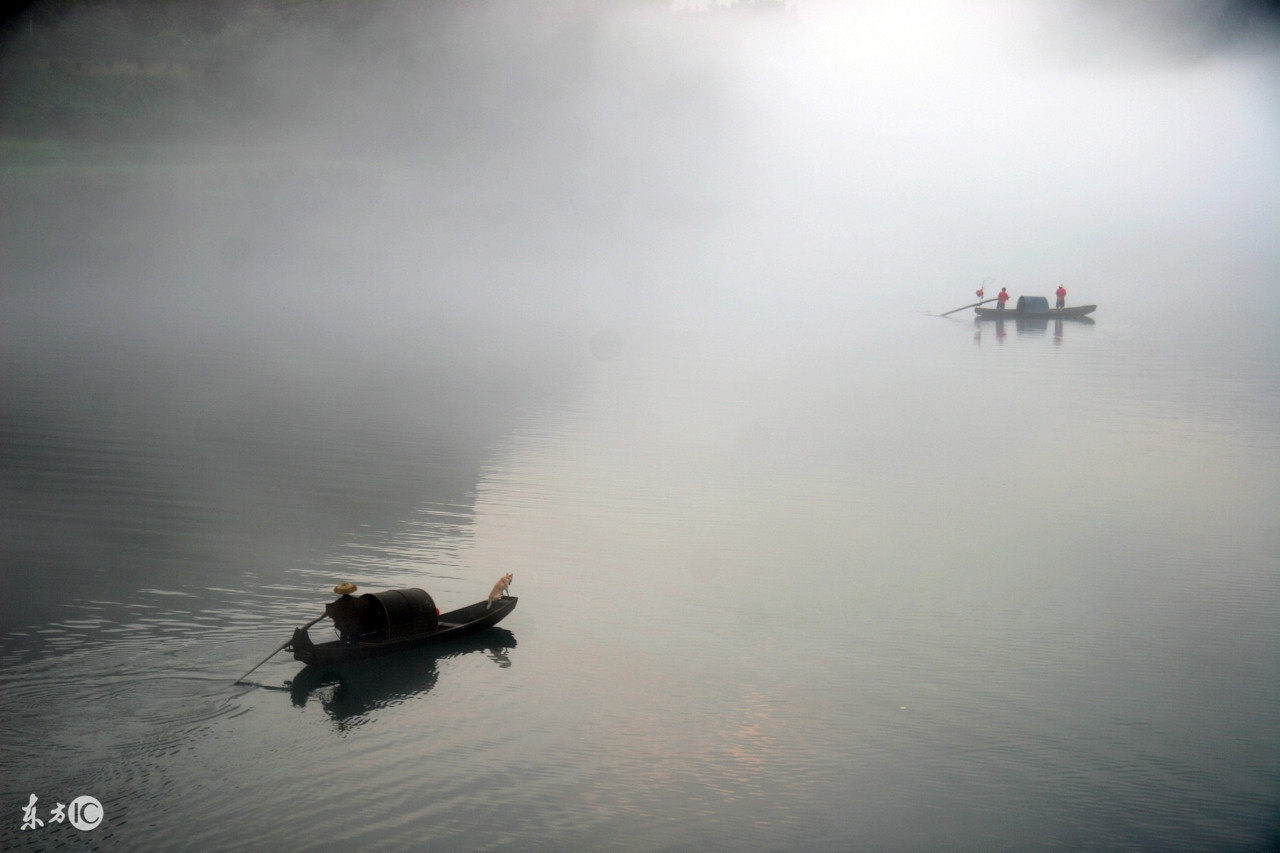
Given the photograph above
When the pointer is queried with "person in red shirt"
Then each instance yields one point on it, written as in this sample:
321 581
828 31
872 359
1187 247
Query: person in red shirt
1062 296
1001 299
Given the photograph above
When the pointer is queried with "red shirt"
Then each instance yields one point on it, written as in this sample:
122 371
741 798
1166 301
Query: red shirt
1003 297
1062 291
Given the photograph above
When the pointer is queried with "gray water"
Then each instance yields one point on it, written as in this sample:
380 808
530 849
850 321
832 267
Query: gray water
642 309
901 585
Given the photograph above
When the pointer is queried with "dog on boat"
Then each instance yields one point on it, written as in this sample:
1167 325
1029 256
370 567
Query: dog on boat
499 590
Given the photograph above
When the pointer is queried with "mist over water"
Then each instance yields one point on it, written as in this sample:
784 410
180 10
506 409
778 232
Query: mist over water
635 301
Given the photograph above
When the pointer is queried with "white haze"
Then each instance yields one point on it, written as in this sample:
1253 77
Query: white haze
606 165
841 158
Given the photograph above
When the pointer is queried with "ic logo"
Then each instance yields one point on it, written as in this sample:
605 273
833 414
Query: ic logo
85 813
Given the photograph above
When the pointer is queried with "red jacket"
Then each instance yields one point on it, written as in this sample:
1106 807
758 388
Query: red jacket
1003 297
1062 291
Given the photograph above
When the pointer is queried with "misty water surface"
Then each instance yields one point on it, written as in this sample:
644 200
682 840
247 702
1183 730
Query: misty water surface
638 304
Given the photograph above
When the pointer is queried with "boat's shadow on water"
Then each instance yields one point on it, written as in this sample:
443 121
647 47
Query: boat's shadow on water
351 691
1027 325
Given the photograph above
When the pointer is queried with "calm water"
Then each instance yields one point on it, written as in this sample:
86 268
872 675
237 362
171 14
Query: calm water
638 305
914 584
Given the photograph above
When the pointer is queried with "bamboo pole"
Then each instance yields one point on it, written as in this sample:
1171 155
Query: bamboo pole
278 648
974 305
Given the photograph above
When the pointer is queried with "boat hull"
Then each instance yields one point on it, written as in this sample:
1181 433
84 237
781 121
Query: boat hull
1075 312
453 625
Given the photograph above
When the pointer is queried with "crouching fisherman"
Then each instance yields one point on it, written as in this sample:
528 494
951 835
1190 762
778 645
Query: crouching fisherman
350 615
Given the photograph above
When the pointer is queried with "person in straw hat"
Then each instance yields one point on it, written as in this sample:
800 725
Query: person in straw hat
347 613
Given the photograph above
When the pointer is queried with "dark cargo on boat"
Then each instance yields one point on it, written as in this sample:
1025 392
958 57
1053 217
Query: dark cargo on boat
381 616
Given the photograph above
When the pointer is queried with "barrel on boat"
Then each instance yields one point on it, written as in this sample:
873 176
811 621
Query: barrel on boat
402 612
380 616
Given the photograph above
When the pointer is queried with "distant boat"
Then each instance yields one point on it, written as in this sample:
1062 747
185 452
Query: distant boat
1035 308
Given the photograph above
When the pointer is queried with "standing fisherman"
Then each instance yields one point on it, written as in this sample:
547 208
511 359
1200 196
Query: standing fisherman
1001 299
1062 296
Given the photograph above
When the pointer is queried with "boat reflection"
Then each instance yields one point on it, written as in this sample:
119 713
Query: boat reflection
349 692
1025 325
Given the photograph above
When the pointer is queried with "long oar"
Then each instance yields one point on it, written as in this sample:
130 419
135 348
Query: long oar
974 305
282 645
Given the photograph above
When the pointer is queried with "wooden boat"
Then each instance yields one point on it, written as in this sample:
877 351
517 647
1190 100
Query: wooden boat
1035 307
396 620
1075 312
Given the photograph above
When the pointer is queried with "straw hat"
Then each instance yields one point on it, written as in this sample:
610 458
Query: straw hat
345 588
